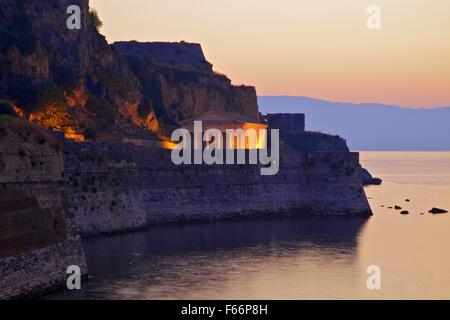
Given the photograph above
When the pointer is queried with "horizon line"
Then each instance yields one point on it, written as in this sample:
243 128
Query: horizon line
358 103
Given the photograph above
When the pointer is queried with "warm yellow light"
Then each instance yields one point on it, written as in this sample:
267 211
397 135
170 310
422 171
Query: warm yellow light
167 145
75 137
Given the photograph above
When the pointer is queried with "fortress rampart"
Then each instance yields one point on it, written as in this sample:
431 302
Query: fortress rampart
172 53
287 123
117 187
51 195
38 238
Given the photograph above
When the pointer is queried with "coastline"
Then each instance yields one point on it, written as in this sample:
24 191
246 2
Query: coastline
308 257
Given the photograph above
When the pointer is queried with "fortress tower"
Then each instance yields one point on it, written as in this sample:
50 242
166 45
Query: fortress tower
287 123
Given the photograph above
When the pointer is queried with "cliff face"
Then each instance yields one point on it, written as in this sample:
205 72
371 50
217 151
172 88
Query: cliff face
68 80
38 237
180 83
72 81
180 54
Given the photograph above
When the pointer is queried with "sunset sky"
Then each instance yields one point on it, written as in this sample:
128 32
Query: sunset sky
319 48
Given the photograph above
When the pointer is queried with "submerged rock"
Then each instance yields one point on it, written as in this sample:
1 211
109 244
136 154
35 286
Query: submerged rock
437 211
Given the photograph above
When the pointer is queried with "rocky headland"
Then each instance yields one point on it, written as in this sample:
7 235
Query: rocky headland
70 107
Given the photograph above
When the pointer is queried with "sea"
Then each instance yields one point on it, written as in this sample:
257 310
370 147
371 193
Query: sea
297 257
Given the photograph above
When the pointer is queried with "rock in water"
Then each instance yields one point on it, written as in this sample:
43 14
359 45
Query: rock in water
404 212
437 211
367 179
398 208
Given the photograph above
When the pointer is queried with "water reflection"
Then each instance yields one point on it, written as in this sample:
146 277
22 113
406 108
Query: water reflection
303 258
215 260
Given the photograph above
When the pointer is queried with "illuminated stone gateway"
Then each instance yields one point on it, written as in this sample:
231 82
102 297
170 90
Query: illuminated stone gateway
224 121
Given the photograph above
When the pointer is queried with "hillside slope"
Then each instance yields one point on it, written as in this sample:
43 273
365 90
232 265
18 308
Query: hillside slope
74 82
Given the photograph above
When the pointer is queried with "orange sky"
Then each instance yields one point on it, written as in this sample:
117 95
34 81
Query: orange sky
319 48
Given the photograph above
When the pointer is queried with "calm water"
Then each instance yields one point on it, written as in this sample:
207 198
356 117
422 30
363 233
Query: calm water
302 258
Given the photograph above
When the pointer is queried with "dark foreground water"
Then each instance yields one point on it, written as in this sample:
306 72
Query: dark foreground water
292 258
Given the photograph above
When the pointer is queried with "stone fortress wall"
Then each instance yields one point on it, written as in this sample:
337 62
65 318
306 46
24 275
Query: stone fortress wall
117 187
38 238
119 191
173 53
51 194
287 122
292 128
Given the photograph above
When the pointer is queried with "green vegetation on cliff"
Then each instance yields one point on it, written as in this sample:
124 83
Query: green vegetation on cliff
6 108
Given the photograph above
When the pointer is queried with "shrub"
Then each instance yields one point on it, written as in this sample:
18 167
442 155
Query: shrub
6 108
34 97
48 93
145 107
104 111
95 19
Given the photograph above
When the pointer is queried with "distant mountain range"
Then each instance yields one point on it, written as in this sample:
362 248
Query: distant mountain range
369 126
